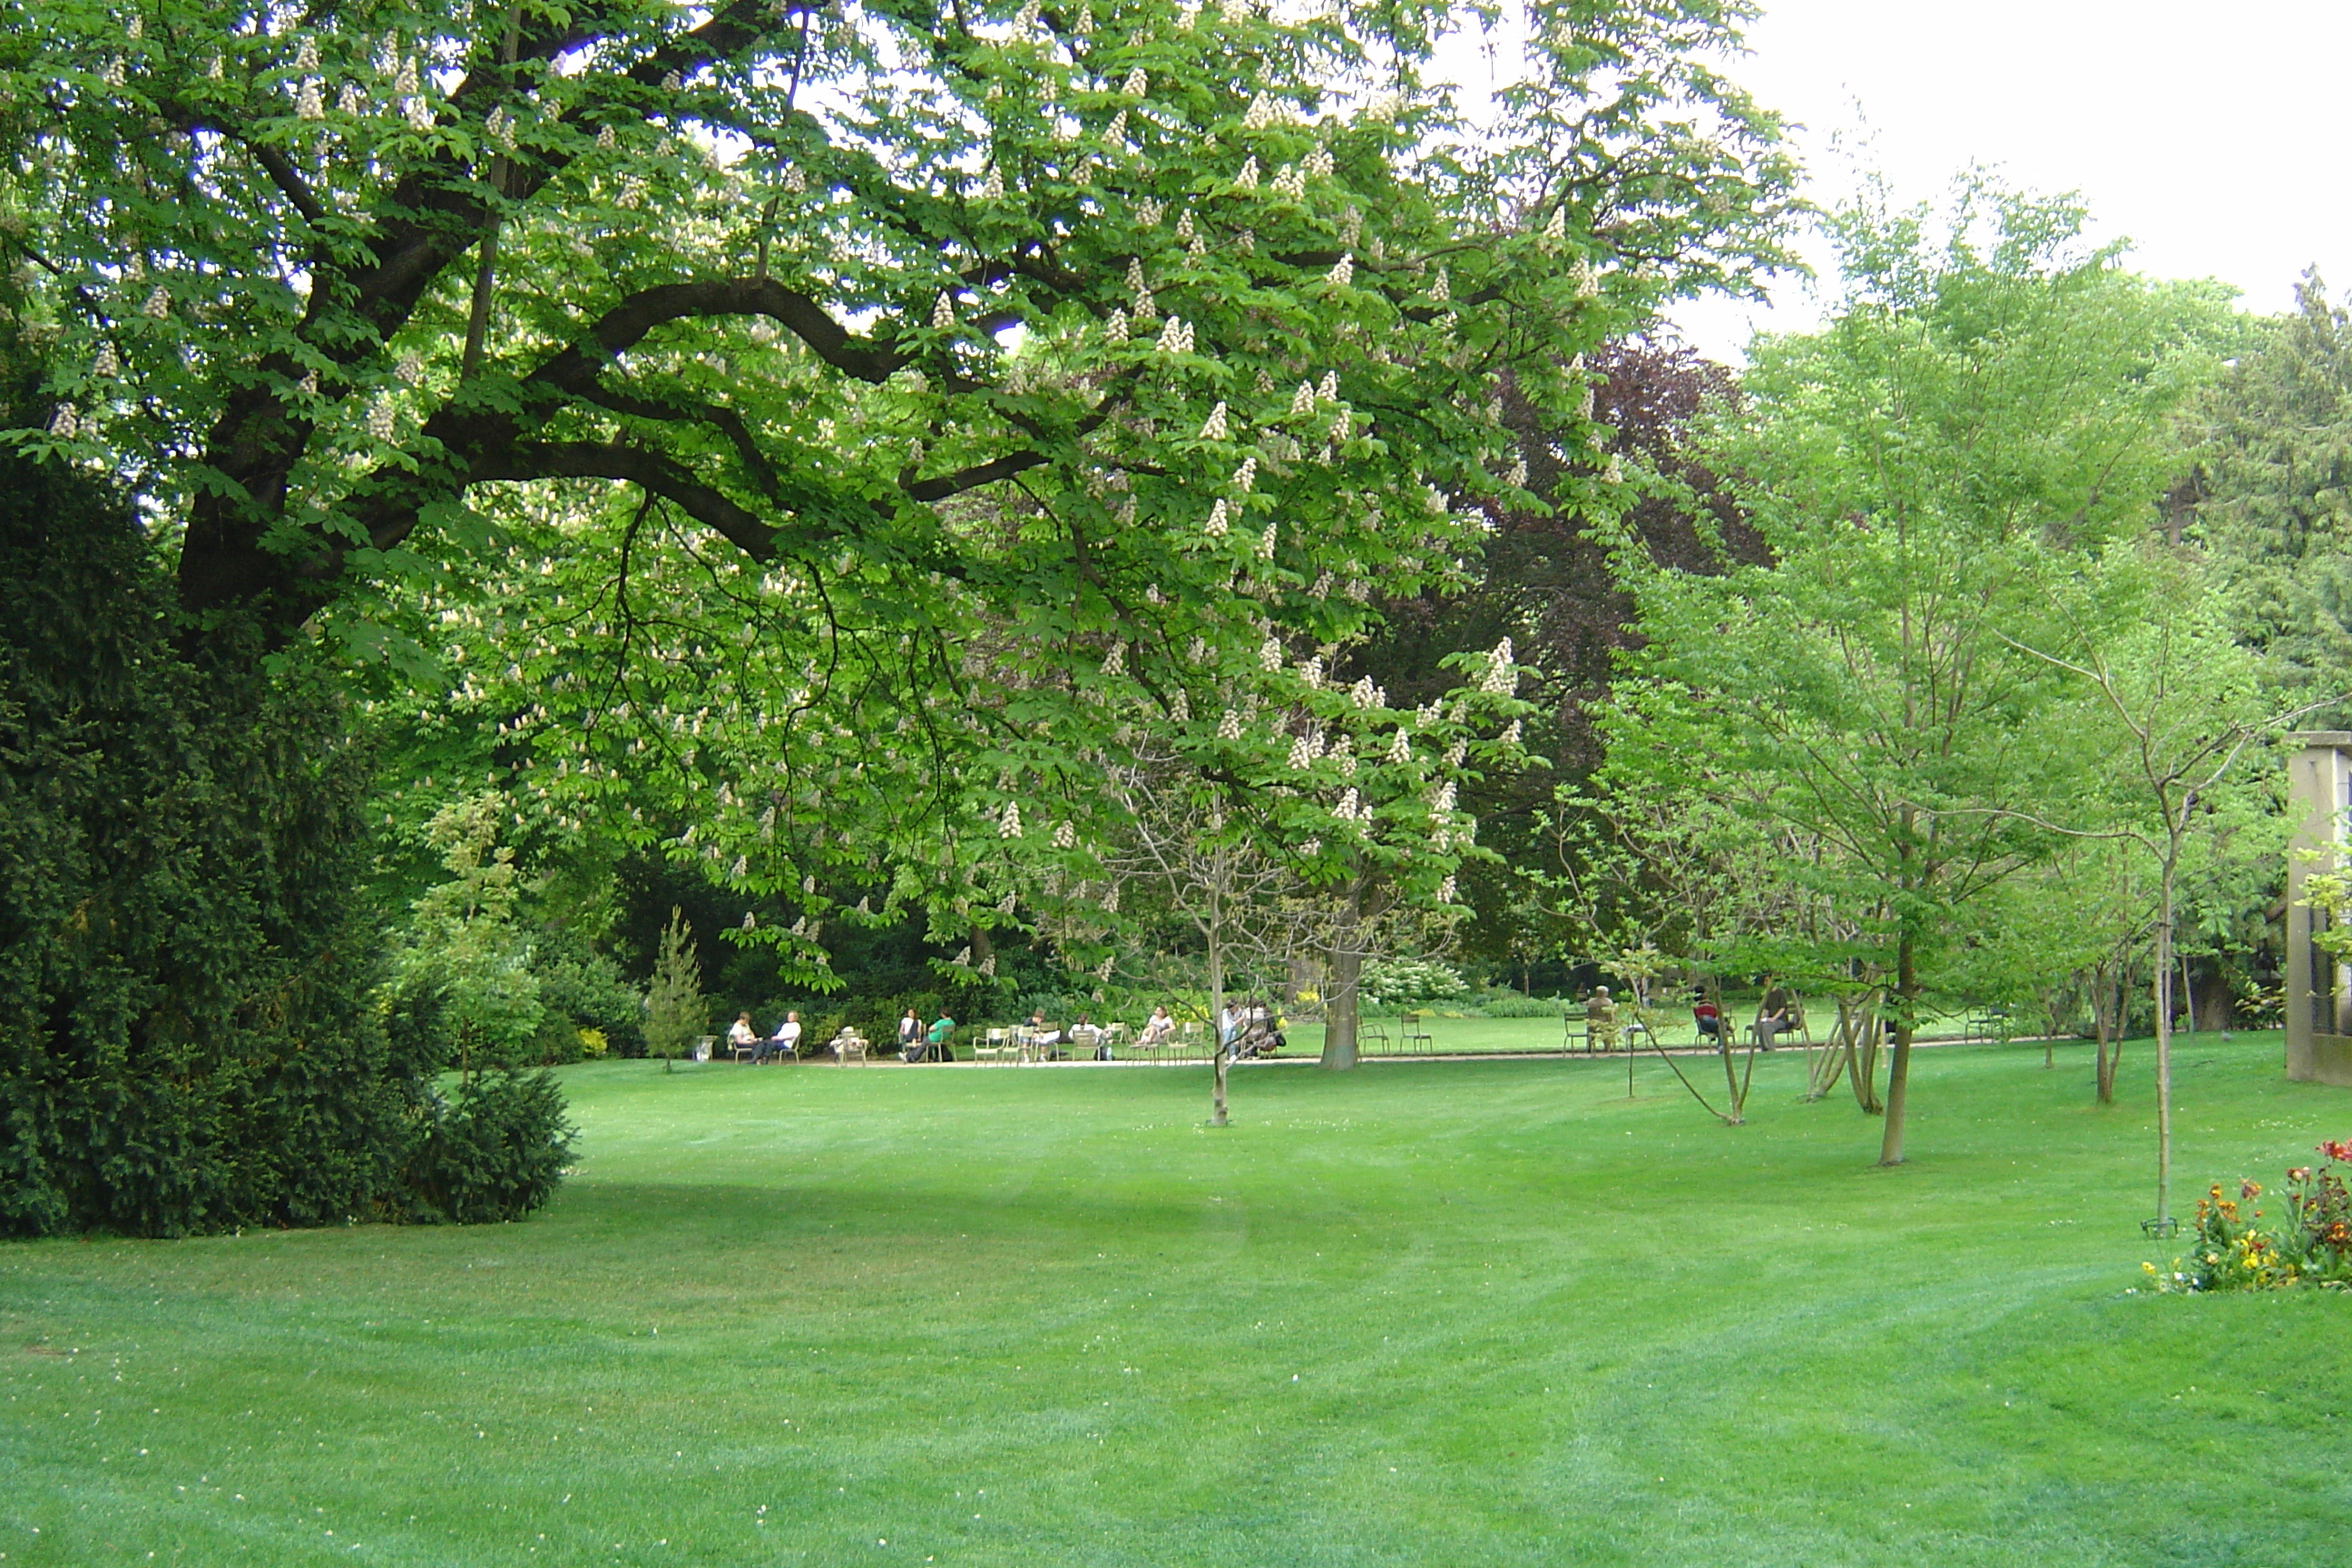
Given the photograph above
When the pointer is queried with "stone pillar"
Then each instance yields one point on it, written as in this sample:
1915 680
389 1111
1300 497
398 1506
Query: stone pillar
2318 986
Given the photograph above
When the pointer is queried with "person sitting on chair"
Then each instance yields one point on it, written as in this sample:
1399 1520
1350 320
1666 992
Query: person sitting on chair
1777 1016
785 1041
1707 1015
936 1039
910 1036
1160 1030
742 1036
1601 1020
1047 1041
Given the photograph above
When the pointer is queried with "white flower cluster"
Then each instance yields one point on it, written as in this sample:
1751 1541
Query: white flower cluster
106 366
1303 400
1217 524
499 127
1266 539
1008 822
1441 797
1247 179
1269 654
1343 273
1246 476
992 184
1441 289
1214 428
308 105
1319 162
1445 889
1288 181
1114 664
1229 727
65 424
943 314
1364 694
1065 836
379 419
1176 337
1400 749
159 304
1136 84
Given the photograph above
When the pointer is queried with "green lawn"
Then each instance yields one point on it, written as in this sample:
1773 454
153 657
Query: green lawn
1429 1313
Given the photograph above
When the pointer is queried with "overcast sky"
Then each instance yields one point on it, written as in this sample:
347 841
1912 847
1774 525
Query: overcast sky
2212 135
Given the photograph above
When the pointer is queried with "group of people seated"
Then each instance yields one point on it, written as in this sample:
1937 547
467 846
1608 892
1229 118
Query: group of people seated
1245 1029
784 1042
1776 1015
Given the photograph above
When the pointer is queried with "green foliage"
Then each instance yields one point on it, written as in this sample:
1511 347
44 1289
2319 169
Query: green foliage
466 963
1511 1005
1004 386
581 994
675 1010
2272 491
1411 980
494 1153
183 1045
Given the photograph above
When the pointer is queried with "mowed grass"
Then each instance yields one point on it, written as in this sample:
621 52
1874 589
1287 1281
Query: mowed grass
1468 1312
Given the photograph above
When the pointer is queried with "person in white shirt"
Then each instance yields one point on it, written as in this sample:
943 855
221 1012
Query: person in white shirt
742 1035
786 1041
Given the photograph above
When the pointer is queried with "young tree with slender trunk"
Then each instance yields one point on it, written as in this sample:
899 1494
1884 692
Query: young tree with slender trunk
1923 483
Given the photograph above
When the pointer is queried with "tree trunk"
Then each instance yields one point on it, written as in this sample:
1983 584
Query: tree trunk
1738 1098
1862 1060
2107 1027
1217 1062
2164 1050
1341 1009
1899 1065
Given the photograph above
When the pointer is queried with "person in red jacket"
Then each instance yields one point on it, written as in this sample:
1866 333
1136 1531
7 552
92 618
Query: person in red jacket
1708 1017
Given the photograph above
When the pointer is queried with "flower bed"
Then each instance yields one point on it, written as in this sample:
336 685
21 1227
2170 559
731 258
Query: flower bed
2310 1243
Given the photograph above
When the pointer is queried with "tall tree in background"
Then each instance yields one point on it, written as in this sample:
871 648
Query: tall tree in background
1987 410
2271 488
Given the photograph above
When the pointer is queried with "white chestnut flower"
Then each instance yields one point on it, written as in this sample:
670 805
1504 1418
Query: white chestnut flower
65 424
306 104
1269 654
1008 822
1247 179
1213 427
1135 84
1229 727
1065 836
159 304
1343 273
1219 519
1266 543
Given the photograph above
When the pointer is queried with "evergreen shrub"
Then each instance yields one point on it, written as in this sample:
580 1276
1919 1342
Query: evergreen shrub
185 1040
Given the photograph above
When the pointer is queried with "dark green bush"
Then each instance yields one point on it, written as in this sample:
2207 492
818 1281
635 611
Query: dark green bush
494 1152
184 1040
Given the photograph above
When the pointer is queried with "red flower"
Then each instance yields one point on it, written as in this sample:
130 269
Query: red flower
2337 1149
2249 1190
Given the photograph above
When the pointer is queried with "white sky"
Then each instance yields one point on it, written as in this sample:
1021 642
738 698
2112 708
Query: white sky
2211 135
